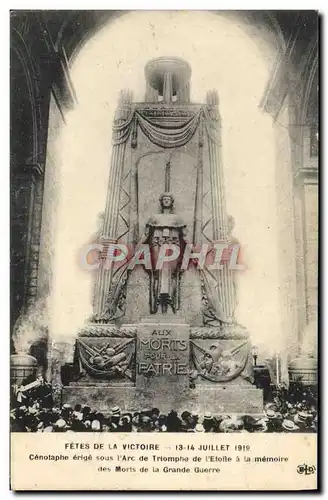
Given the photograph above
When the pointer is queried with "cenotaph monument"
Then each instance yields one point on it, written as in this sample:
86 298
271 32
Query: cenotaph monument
163 333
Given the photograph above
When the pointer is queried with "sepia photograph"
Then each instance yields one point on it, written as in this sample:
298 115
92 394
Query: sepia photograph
164 247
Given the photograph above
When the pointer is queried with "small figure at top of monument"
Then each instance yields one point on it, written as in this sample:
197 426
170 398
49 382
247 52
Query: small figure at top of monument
165 228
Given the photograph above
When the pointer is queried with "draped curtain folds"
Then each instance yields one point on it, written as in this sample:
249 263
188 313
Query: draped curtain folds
164 132
168 135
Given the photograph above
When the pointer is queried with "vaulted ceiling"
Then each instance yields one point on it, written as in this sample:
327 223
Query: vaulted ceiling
44 44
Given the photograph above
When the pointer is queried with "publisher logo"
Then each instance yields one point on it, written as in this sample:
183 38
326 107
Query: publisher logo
306 469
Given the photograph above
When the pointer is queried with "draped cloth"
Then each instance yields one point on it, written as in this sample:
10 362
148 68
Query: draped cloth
167 135
166 128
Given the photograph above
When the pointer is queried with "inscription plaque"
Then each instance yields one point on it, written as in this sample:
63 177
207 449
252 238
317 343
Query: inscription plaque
162 358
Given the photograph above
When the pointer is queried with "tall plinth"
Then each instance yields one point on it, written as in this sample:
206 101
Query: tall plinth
165 335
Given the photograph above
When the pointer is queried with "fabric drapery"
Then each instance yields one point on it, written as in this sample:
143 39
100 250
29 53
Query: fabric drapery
121 130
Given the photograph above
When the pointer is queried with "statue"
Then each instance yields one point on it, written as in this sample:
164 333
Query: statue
165 228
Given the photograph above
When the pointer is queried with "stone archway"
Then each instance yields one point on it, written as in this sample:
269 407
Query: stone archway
249 26
26 176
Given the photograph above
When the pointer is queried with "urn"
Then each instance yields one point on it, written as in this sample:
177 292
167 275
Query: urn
303 369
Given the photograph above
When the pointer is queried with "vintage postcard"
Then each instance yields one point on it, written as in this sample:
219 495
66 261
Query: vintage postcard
164 250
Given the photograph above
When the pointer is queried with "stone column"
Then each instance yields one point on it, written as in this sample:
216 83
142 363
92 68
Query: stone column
133 237
198 216
306 187
26 214
109 233
151 94
183 94
219 211
286 241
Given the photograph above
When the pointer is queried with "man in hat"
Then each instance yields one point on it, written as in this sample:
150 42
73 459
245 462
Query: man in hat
60 425
95 426
208 422
115 411
173 422
125 423
274 420
49 428
67 412
303 420
115 415
289 426
146 411
136 419
231 424
194 419
155 419
44 394
32 418
185 421
162 422
17 420
155 413
45 417
93 415
100 416
40 427
87 425
86 410
146 424
217 419
76 421
252 424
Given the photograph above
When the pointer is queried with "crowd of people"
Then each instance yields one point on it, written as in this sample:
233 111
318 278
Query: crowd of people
288 412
